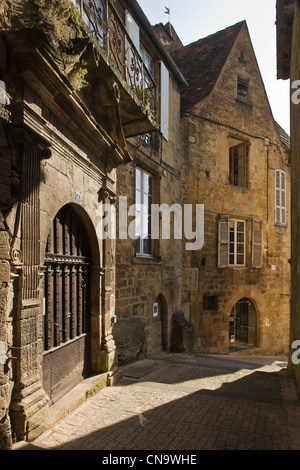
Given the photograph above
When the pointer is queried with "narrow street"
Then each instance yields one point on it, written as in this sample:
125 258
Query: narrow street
186 402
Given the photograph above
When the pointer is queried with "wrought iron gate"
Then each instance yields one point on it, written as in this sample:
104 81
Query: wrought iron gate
66 304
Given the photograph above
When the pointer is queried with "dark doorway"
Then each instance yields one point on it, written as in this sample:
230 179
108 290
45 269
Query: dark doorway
242 325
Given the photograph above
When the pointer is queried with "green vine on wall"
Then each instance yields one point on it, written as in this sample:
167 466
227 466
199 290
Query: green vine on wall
58 16
61 19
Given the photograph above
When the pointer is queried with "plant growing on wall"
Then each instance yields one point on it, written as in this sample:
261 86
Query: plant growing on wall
62 23
145 96
59 17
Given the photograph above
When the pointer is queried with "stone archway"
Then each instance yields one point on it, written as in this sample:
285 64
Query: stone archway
243 325
67 304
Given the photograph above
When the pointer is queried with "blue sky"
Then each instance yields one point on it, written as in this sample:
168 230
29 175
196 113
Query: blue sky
195 19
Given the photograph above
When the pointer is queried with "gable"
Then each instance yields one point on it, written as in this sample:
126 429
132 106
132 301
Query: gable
201 63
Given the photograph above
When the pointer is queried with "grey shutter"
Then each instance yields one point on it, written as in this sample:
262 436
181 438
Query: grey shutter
164 105
257 243
280 197
283 198
223 240
134 65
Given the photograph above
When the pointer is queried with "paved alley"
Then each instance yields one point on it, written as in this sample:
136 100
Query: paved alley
180 402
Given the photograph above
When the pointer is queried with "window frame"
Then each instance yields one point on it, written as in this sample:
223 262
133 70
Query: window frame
235 253
232 176
147 59
279 190
242 82
140 229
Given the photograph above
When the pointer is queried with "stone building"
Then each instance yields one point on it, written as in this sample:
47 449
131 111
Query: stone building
103 117
148 268
74 87
235 289
288 68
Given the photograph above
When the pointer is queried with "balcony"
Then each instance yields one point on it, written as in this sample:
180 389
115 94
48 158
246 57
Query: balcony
117 98
138 98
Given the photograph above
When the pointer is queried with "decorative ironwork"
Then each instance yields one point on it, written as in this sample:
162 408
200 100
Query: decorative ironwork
66 284
111 35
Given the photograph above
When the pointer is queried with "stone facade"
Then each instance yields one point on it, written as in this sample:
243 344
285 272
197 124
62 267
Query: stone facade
67 106
143 281
215 119
288 44
95 119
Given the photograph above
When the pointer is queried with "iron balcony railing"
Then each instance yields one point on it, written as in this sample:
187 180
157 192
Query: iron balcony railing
108 29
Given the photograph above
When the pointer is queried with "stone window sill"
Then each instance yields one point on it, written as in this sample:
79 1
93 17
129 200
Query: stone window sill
146 260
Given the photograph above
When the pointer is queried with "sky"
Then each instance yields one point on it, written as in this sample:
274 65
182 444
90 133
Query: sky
195 19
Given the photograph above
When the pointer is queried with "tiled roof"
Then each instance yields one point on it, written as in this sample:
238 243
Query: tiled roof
202 61
285 138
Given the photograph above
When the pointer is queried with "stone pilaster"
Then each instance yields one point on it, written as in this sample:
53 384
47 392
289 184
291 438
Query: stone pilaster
29 403
108 355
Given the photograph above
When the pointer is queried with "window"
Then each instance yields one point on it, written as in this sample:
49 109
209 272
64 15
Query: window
242 90
280 197
237 243
238 164
94 17
232 242
147 59
143 201
210 302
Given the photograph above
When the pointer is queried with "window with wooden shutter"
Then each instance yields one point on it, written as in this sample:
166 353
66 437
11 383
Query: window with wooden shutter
223 241
257 243
280 197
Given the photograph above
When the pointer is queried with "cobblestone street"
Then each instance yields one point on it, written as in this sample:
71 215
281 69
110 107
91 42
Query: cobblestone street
178 402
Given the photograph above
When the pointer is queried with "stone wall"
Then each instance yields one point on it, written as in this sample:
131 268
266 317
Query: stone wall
208 129
295 174
143 281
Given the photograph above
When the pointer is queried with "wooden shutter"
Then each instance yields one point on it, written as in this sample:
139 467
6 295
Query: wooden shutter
223 240
134 65
164 101
257 243
283 198
133 30
280 197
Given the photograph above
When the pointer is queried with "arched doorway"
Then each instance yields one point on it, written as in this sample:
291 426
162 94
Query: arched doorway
66 359
242 325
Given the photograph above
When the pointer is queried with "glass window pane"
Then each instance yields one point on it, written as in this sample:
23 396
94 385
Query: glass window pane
147 246
138 198
240 226
138 179
240 237
143 211
240 248
240 259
